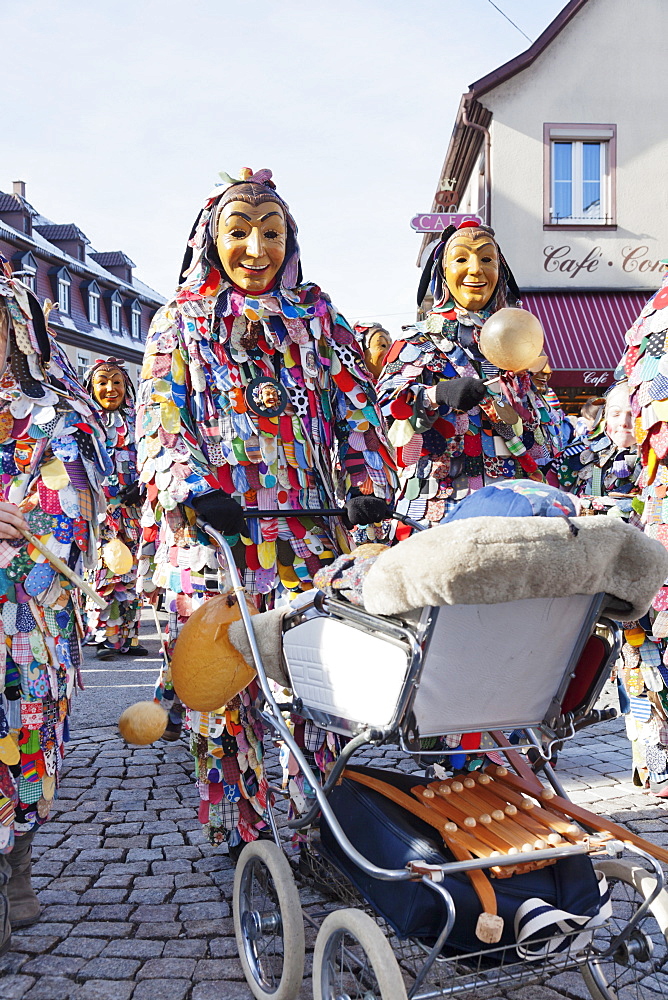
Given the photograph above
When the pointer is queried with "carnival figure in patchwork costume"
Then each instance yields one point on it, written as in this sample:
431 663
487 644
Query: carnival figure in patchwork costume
605 462
254 396
53 460
645 672
375 342
115 630
454 433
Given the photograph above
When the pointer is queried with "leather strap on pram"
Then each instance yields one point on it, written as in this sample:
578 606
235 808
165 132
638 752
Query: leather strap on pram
589 820
490 926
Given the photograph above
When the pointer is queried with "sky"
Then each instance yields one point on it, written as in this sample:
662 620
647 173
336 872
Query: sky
119 115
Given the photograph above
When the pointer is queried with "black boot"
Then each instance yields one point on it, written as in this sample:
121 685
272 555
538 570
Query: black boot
105 652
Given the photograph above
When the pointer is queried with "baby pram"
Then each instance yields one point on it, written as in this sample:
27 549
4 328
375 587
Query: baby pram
434 671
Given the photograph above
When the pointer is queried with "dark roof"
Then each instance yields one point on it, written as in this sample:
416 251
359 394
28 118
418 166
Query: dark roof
525 59
11 203
113 258
68 231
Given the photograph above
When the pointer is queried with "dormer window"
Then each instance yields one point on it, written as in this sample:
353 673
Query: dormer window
62 283
115 312
25 268
93 295
135 320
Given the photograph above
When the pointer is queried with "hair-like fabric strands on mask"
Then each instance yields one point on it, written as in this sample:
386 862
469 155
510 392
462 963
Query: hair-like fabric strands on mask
110 363
432 273
201 257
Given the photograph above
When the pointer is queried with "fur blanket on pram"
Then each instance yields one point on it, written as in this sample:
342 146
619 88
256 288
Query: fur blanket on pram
491 560
530 545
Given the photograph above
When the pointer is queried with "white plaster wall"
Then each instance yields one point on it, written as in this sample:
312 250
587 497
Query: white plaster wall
608 66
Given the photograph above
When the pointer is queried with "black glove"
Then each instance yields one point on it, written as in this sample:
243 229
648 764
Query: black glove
132 494
367 510
221 512
460 393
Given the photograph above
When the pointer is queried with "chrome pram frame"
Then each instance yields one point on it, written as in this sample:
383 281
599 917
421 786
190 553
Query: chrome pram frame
430 974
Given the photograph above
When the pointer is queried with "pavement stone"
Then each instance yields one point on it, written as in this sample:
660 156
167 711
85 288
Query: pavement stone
105 989
162 989
15 987
110 968
52 988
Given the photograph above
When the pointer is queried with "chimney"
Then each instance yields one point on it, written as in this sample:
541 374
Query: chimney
20 188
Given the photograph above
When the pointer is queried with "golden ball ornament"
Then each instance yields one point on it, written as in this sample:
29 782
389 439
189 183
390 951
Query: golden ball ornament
512 339
142 723
207 670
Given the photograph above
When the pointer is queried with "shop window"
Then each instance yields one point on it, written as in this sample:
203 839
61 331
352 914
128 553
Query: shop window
580 175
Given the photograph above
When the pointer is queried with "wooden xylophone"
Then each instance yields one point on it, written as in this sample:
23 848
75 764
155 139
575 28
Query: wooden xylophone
489 814
496 812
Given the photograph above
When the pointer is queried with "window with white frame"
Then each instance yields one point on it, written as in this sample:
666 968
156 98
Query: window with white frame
115 313
580 163
64 285
26 270
83 364
135 320
93 304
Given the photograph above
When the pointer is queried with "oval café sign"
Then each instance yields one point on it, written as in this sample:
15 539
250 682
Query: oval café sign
436 222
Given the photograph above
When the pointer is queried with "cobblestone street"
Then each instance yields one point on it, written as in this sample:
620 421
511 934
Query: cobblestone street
137 907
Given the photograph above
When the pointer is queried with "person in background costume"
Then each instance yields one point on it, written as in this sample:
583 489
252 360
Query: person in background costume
116 629
254 396
603 469
606 461
645 655
591 412
375 342
53 460
447 431
562 429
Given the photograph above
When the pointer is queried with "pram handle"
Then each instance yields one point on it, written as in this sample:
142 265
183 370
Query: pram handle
325 512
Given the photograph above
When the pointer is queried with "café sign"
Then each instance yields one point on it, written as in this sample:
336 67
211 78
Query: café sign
436 222
593 380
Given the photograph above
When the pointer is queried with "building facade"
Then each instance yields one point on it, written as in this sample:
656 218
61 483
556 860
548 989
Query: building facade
101 309
563 150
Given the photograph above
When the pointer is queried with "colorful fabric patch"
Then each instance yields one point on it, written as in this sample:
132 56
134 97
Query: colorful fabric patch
39 579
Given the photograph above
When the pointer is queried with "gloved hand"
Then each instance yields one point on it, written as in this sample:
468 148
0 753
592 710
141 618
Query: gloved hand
221 512
132 494
367 510
460 393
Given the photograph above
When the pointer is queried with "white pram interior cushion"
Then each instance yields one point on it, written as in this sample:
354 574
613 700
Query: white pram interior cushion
489 560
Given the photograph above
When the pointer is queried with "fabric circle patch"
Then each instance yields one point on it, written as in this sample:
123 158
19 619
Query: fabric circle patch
655 759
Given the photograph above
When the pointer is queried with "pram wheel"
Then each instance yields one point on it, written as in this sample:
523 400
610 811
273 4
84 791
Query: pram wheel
353 960
268 922
637 969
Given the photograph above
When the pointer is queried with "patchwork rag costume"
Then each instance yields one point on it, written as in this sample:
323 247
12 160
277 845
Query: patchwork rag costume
594 466
445 453
52 460
645 655
117 627
263 399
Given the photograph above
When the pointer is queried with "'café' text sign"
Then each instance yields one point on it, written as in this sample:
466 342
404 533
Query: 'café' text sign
436 222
